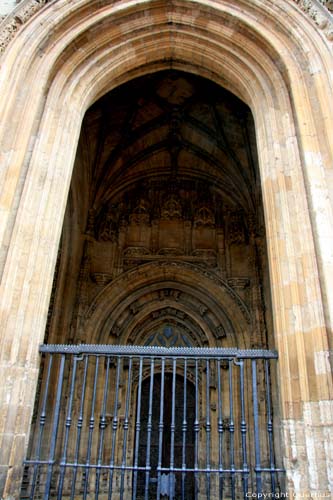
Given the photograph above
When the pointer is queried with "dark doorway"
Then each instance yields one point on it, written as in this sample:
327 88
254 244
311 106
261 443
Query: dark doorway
172 443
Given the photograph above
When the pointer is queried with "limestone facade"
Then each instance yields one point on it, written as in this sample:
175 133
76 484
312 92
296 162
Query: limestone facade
275 57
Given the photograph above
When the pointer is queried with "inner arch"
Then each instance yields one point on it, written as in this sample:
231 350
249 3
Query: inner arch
165 210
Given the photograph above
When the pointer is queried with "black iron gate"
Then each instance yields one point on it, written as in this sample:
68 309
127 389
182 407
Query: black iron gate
131 422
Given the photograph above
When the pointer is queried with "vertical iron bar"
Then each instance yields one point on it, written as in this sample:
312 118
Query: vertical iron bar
232 431
173 428
184 429
91 430
42 421
160 431
68 424
149 426
270 425
102 426
256 427
137 431
55 427
220 427
208 429
114 427
126 420
243 429
196 430
79 426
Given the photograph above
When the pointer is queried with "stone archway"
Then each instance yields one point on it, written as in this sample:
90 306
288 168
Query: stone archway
128 301
260 54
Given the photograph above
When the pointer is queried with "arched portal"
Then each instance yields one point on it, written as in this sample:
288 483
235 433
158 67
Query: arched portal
173 255
268 54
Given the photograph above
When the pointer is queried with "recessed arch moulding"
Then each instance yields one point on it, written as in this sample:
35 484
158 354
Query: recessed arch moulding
270 55
122 309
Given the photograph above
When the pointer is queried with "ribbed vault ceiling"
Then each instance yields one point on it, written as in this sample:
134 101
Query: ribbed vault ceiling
172 128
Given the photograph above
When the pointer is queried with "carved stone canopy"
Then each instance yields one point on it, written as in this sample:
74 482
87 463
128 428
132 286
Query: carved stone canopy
171 208
140 214
204 216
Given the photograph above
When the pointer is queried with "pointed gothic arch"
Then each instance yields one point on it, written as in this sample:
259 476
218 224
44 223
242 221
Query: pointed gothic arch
268 54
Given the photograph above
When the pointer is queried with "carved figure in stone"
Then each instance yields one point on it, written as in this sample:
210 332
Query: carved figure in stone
171 208
220 332
116 331
140 214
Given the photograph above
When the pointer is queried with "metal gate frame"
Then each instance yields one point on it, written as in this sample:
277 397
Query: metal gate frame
67 413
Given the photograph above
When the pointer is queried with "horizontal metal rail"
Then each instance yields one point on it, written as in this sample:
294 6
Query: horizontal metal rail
184 352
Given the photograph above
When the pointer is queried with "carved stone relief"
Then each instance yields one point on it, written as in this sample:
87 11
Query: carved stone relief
140 214
236 228
204 216
171 208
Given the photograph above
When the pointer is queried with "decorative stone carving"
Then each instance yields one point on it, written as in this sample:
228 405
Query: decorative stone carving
319 11
203 310
167 293
108 228
171 208
204 216
203 272
12 24
135 252
219 332
171 316
135 307
328 4
236 229
318 18
140 214
239 282
101 279
116 330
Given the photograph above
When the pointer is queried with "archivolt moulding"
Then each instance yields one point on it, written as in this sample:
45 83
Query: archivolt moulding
320 12
131 284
